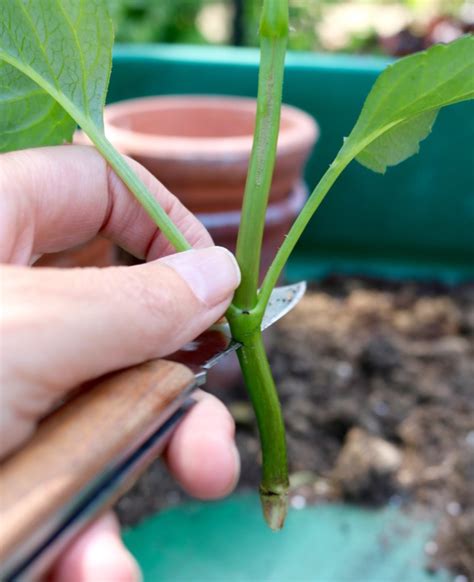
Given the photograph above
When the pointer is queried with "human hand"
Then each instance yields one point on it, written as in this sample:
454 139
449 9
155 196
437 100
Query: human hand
62 327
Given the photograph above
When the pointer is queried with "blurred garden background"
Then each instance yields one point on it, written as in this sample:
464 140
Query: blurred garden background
393 27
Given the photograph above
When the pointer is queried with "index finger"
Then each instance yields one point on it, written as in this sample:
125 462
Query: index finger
55 198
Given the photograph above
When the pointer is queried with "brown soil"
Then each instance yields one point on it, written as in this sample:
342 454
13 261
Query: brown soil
377 387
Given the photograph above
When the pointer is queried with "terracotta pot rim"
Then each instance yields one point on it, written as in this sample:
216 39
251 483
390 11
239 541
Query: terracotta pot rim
290 206
300 133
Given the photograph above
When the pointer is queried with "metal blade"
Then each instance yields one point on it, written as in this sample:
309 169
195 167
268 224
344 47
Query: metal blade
205 351
282 301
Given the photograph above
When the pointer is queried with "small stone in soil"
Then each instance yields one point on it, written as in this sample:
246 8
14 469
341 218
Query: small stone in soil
367 467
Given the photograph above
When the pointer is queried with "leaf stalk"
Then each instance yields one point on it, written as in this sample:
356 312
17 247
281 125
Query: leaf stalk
284 252
138 189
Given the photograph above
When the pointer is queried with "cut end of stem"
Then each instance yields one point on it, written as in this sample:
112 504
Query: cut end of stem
275 508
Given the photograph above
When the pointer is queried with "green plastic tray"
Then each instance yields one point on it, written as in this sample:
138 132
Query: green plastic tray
227 540
416 221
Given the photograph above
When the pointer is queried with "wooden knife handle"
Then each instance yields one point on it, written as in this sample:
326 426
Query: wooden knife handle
78 441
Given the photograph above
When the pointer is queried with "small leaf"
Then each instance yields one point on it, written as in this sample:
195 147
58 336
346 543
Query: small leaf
56 66
402 106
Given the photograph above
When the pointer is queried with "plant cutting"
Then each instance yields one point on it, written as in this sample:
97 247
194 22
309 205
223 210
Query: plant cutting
55 61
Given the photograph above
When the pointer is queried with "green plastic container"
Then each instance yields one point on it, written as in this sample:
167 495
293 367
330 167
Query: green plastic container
416 221
228 540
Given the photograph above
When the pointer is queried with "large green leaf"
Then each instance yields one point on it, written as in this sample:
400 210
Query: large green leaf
55 72
29 117
402 106
55 62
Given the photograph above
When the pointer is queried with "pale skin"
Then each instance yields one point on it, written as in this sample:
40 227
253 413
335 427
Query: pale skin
62 327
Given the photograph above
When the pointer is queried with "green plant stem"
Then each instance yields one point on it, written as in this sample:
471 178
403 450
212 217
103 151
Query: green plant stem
244 319
138 189
312 204
245 327
273 31
258 377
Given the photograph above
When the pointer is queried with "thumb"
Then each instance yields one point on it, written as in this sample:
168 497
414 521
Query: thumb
60 328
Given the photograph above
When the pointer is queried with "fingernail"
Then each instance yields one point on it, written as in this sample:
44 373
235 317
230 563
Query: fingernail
211 273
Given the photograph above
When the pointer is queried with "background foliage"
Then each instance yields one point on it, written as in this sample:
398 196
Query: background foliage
334 25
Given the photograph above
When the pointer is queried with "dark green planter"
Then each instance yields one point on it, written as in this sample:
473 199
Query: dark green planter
416 221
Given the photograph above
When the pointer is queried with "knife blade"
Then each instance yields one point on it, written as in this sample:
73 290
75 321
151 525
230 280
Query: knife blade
89 452
216 343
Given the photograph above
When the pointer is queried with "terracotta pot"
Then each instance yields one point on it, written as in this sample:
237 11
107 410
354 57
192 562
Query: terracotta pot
199 147
224 226
99 252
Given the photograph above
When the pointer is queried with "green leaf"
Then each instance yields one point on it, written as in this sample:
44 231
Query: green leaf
29 117
64 50
55 62
398 144
402 106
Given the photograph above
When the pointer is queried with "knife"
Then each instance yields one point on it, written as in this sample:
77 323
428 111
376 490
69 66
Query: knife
89 452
